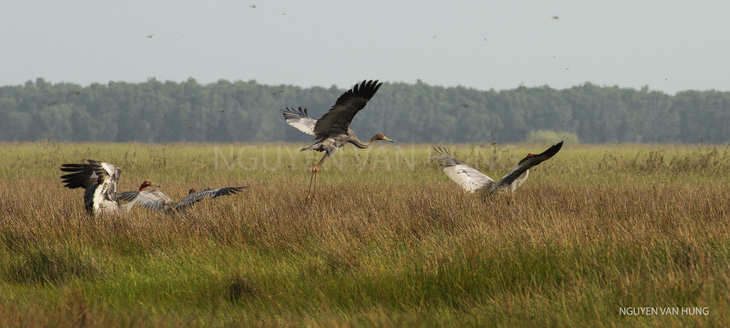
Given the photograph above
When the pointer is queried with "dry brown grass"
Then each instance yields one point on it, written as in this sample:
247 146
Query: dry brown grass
594 229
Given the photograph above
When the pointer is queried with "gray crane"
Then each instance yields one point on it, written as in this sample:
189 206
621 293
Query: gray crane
332 131
157 201
472 180
100 181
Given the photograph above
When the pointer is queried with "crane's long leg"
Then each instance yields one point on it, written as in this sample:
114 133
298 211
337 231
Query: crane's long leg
313 186
309 191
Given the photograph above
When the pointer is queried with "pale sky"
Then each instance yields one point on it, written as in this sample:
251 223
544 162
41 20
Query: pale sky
667 45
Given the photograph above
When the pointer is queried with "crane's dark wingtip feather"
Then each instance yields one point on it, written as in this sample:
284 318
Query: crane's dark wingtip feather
296 111
366 89
445 157
547 154
79 175
232 190
440 151
554 149
73 167
443 152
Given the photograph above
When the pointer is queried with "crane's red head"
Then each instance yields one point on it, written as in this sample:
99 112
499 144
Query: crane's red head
145 184
380 136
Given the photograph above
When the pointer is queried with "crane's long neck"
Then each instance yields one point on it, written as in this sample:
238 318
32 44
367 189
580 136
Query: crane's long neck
359 144
520 181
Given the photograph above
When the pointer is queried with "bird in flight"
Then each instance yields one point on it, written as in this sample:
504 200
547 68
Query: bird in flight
472 180
332 131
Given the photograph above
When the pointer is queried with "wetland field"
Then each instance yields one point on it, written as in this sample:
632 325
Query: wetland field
599 235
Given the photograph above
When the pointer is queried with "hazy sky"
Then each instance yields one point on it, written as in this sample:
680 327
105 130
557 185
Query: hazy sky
668 45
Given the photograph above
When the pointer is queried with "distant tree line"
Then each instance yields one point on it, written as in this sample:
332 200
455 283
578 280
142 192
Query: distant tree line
240 111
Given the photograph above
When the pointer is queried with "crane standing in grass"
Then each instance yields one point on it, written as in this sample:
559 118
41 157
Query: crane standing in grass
472 180
332 131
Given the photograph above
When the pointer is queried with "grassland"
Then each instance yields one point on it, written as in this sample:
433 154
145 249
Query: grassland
390 240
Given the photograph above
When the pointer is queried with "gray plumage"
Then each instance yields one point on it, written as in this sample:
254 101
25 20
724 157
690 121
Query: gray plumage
472 180
338 119
332 131
157 201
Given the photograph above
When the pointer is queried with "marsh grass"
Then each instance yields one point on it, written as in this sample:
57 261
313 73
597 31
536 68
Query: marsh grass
594 229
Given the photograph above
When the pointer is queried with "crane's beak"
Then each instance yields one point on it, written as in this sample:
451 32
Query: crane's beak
388 139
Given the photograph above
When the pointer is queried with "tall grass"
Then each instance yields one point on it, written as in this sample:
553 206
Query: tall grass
389 241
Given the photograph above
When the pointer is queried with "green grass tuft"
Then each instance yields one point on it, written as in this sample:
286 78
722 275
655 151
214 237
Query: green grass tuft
49 264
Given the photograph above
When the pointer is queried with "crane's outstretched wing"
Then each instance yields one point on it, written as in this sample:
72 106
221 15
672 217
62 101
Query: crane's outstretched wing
195 197
528 162
300 120
127 196
338 119
465 176
106 172
79 176
98 178
151 199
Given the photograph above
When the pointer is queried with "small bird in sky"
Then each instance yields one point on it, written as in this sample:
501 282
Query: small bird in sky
189 126
253 6
556 17
150 36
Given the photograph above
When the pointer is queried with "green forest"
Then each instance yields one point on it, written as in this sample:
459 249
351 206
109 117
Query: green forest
246 111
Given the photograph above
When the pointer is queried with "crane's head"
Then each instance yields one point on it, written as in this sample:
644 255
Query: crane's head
145 184
380 136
